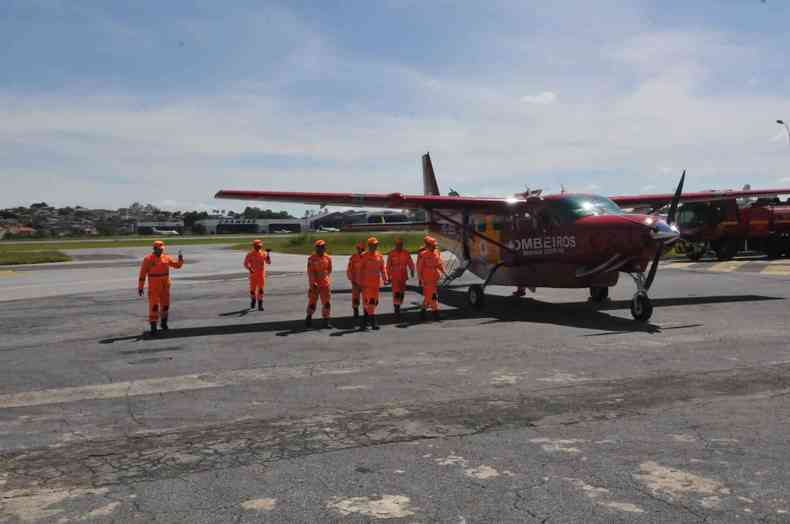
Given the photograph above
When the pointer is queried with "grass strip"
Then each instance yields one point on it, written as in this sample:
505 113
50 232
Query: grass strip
16 258
6 247
337 243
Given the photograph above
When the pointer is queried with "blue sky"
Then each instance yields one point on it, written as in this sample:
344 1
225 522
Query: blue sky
105 103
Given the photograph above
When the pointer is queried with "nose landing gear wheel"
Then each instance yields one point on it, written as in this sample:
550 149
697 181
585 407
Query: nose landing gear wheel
476 296
641 307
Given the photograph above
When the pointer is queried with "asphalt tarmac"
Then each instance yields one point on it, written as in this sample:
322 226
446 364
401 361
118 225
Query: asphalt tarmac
541 409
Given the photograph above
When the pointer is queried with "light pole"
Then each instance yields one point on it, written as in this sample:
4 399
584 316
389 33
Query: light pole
782 123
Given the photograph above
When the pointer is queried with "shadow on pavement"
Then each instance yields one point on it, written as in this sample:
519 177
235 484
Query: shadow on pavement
240 313
584 315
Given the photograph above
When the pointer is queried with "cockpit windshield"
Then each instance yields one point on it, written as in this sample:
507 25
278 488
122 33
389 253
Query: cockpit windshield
574 207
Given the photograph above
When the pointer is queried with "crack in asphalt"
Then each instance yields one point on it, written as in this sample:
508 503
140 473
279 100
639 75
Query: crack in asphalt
147 456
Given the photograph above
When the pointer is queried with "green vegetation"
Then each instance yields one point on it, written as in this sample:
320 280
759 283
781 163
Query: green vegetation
337 243
31 257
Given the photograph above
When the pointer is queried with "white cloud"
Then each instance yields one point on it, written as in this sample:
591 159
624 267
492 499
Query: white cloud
544 98
641 105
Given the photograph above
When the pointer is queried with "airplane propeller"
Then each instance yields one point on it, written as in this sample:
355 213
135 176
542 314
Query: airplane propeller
673 208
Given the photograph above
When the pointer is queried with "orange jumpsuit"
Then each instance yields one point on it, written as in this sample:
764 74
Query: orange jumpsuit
319 277
157 269
352 270
372 272
399 263
430 269
255 262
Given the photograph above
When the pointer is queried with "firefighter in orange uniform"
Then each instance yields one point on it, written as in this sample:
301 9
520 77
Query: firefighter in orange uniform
399 268
156 267
430 269
352 270
255 262
319 278
372 273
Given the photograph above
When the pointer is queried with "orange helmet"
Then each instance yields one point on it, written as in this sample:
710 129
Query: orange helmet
159 243
320 243
373 241
257 242
360 245
429 241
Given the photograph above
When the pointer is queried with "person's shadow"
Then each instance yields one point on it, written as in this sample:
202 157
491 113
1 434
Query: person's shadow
498 309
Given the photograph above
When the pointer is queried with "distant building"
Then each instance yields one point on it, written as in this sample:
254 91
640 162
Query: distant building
342 219
18 230
148 227
252 226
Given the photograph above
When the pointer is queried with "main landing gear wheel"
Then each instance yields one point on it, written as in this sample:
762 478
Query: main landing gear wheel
476 296
726 249
641 307
695 250
599 294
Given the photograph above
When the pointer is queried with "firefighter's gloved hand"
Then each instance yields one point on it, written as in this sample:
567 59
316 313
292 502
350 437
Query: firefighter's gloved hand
140 292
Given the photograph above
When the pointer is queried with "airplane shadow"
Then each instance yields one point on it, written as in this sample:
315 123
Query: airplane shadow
498 309
586 315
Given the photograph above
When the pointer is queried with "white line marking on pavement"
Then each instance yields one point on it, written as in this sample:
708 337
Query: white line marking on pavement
192 382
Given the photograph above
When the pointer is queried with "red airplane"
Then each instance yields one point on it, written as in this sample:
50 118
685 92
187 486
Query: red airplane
532 240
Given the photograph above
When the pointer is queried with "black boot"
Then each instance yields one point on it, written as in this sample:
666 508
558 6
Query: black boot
327 324
260 305
308 321
363 325
164 324
356 313
423 314
436 316
153 328
373 323
397 311
252 303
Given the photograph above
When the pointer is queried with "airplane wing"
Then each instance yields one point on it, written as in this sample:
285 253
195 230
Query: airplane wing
380 200
660 200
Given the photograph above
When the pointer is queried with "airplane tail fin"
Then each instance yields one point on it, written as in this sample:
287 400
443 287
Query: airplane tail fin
429 184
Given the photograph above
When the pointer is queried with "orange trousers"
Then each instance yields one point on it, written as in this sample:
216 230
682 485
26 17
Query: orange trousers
158 298
257 285
356 293
430 295
398 291
370 298
325 293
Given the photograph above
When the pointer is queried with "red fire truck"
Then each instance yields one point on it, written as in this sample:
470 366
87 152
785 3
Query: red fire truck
727 227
